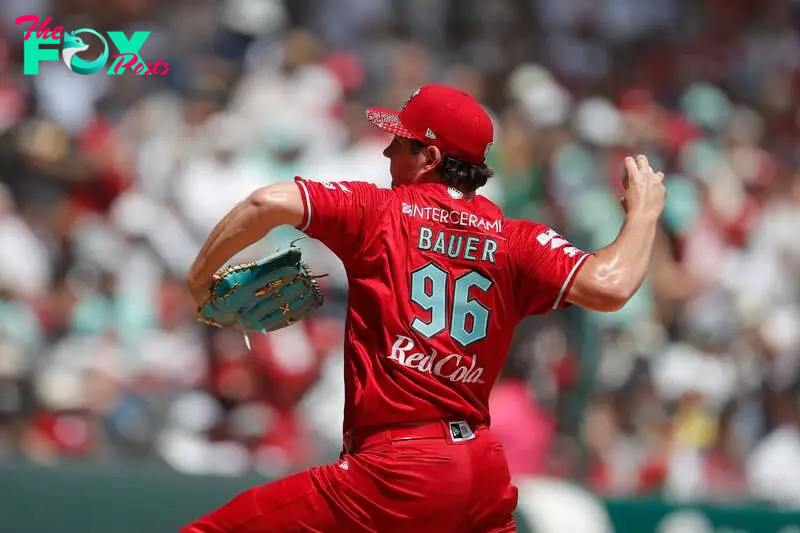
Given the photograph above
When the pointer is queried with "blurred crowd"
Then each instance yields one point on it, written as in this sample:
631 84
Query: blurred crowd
109 185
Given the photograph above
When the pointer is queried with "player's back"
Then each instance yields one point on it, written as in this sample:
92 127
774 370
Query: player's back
438 282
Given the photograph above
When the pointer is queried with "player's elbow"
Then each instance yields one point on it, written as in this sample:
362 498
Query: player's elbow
601 293
612 298
604 286
280 203
268 199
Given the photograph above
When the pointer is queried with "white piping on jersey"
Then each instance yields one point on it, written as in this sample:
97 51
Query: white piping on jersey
568 280
307 202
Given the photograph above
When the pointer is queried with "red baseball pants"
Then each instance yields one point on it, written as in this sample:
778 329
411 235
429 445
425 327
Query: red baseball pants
394 482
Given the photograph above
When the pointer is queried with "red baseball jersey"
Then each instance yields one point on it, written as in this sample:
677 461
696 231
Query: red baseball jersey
437 284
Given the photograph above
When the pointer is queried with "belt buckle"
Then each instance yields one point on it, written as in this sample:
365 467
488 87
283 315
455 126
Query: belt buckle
460 431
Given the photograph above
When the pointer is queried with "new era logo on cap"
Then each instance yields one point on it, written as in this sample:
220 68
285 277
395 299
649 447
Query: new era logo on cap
441 116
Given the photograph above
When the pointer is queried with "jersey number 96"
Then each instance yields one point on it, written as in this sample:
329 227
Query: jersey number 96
429 289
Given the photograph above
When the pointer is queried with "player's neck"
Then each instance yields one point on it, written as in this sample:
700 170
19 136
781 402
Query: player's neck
435 177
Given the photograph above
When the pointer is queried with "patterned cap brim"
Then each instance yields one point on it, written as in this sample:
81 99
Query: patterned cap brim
388 121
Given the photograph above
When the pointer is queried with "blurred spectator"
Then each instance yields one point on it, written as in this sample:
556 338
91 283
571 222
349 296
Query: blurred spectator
770 466
522 425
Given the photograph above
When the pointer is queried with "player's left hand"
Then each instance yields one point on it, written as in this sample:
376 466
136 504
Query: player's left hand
262 296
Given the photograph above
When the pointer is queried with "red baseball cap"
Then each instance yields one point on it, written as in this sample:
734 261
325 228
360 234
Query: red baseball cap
441 116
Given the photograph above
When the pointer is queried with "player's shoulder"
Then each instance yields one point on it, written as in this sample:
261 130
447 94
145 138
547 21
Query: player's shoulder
527 238
362 190
344 185
514 229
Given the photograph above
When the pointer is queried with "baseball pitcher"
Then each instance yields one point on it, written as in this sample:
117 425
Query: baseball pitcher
438 281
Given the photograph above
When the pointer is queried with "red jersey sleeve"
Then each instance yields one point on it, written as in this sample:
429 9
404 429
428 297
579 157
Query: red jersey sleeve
546 265
340 214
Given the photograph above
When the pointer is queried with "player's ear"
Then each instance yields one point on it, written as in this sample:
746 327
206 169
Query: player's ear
433 156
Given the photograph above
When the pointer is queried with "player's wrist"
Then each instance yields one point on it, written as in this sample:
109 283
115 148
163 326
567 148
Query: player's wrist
192 281
642 216
196 282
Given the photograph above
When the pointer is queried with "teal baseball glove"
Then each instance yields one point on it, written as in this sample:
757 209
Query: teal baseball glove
262 296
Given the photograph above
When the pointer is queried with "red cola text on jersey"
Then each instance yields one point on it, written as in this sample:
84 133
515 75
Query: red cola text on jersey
452 367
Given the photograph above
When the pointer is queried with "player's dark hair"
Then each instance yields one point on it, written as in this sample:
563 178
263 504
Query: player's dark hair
464 176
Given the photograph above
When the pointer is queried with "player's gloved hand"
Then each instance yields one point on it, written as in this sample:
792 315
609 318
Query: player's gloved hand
262 296
644 188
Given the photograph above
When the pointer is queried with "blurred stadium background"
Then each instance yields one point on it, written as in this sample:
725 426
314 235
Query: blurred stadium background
681 412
